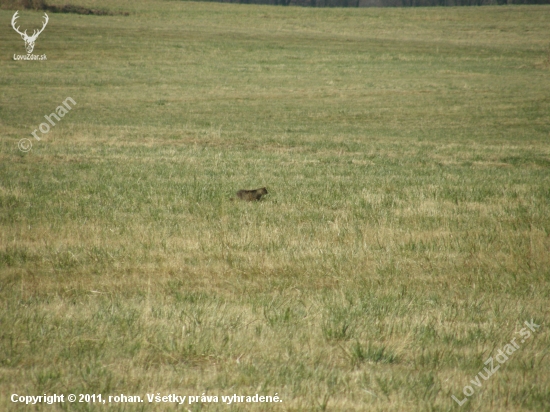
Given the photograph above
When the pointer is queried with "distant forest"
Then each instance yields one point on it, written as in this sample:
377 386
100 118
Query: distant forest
383 3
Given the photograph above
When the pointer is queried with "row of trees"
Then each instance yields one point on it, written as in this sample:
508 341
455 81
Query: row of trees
65 8
384 3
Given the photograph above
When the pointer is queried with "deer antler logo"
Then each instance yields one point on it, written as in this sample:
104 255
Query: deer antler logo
29 40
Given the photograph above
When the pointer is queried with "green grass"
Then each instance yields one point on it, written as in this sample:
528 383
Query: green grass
404 240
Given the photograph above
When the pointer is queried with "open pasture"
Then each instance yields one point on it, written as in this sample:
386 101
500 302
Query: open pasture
405 238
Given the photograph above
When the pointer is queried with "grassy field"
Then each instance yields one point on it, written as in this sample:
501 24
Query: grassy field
404 241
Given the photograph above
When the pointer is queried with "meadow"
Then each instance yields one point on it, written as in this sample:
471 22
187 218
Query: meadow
405 238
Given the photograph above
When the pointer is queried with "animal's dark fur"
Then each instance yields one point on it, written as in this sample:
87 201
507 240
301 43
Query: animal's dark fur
251 195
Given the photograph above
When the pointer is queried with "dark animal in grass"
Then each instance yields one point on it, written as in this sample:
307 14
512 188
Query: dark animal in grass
251 195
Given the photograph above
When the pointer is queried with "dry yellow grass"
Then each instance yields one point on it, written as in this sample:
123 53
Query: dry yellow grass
404 240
